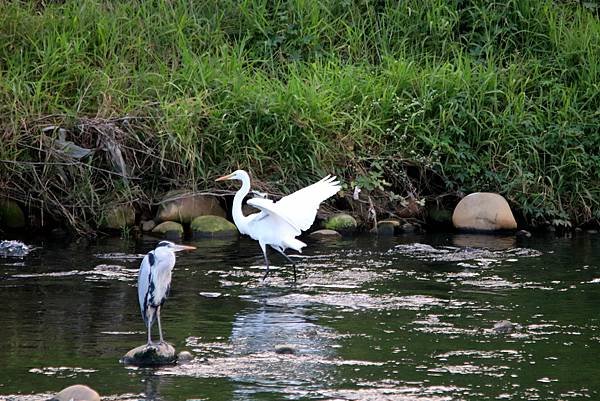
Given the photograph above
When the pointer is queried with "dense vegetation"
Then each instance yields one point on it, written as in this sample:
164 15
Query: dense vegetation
418 98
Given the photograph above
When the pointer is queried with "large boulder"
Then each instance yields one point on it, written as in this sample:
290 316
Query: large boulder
119 217
341 222
11 215
169 230
483 211
184 207
151 355
78 392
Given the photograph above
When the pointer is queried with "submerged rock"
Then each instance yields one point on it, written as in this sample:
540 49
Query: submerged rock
78 392
213 227
184 357
341 222
285 349
15 249
325 234
483 211
184 207
119 217
523 234
505 327
169 229
11 215
151 355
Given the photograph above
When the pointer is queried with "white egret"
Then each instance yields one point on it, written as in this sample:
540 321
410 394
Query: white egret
279 223
154 282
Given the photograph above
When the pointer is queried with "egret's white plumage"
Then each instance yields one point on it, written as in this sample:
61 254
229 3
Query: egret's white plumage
279 223
154 282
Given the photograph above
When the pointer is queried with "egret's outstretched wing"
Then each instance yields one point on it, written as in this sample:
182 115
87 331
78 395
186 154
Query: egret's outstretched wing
144 281
300 208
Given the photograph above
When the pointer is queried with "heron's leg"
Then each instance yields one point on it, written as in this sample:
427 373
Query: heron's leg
159 328
289 260
264 249
149 326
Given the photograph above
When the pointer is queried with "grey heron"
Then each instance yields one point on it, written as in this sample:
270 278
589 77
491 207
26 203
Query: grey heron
154 282
279 223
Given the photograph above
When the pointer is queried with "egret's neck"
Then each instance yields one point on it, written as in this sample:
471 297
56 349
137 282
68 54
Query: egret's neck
238 217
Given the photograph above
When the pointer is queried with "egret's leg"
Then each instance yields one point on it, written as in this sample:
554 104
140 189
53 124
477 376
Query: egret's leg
289 260
159 328
264 249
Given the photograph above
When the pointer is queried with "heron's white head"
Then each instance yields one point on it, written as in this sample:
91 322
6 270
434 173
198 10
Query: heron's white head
174 247
240 175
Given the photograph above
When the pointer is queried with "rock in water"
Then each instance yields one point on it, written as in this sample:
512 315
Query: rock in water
285 349
184 357
15 249
213 227
11 215
151 355
184 207
326 234
341 222
483 211
388 227
78 392
169 229
505 327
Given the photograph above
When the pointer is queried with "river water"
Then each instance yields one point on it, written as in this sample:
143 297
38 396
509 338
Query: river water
395 318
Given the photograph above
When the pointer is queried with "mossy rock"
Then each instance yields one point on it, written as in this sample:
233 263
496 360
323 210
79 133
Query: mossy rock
11 215
212 227
341 222
151 355
169 230
119 217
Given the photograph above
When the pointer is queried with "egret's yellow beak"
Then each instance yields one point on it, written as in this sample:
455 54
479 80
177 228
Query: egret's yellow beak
225 177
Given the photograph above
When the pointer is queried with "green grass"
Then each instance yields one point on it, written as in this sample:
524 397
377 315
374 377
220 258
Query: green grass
429 97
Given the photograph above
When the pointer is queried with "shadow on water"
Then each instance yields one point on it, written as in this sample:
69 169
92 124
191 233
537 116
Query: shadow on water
404 318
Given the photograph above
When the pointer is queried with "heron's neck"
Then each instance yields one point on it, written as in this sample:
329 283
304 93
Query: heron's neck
238 217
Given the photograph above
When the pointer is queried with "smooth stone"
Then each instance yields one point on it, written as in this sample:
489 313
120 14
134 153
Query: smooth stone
78 392
388 227
504 327
169 230
184 357
151 355
119 217
325 234
483 211
213 227
11 214
523 234
285 349
184 207
148 225
341 222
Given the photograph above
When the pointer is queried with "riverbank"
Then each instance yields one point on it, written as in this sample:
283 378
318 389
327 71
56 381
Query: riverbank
114 104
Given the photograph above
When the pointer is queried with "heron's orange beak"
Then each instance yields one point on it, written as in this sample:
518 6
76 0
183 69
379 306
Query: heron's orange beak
225 177
179 247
